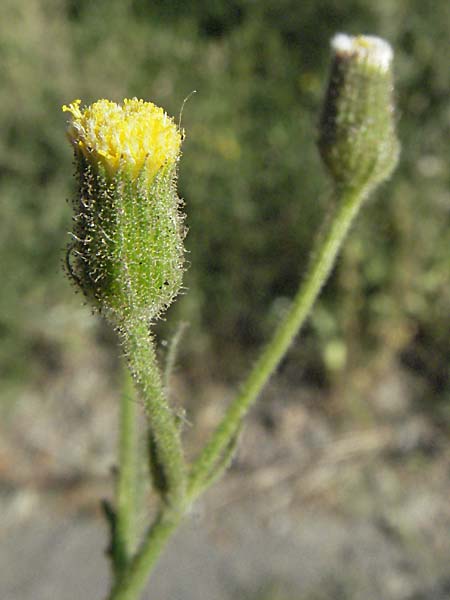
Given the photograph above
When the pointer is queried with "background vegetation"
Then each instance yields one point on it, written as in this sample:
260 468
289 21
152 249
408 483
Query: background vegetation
250 176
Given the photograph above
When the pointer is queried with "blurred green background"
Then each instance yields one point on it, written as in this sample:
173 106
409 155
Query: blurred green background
250 176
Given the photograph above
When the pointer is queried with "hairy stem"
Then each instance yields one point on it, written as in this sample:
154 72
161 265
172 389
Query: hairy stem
165 434
126 497
211 459
133 582
324 255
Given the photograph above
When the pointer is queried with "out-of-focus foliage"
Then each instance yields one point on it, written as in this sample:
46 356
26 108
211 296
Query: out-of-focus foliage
251 178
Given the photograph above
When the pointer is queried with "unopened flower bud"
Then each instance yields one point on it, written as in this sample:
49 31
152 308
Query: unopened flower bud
357 135
127 249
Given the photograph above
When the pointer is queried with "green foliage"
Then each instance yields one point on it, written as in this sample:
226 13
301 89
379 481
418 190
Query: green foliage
250 175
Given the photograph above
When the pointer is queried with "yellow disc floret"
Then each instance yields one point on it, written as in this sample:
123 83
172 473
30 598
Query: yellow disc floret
136 137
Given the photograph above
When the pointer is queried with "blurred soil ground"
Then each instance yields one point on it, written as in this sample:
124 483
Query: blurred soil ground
309 511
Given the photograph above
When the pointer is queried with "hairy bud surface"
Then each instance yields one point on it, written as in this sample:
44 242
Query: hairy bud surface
127 249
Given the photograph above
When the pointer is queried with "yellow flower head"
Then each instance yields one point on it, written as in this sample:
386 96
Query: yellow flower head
136 137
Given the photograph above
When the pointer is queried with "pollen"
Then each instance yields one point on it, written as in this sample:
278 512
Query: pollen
135 137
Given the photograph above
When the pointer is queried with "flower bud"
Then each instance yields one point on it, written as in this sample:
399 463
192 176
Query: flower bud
357 134
127 249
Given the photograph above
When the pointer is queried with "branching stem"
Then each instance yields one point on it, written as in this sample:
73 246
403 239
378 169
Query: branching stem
327 247
348 202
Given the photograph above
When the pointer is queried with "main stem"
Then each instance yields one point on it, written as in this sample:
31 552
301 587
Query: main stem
142 361
348 202
326 250
132 583
126 491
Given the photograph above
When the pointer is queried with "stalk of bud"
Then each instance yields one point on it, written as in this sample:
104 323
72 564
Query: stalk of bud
357 135
360 149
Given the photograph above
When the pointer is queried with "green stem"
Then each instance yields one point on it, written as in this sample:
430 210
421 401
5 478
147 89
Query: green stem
327 246
133 582
141 358
126 491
